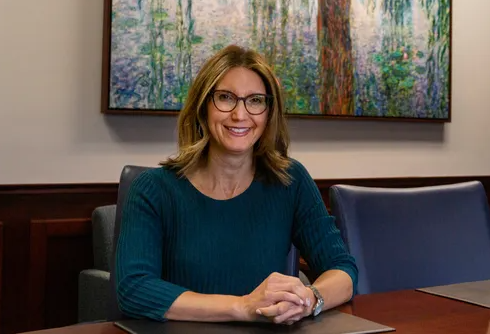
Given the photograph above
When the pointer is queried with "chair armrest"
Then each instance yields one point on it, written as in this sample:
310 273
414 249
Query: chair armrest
93 295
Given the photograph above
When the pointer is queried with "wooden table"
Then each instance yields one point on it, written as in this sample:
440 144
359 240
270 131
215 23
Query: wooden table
419 312
410 312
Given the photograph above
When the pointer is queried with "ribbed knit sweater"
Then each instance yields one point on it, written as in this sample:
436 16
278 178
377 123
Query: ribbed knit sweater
174 238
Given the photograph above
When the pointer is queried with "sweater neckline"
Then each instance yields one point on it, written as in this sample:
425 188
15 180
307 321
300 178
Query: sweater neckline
202 195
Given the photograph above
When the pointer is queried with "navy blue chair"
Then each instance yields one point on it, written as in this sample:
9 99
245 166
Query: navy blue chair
415 237
129 173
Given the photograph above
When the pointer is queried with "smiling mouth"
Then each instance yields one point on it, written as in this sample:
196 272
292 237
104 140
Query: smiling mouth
238 131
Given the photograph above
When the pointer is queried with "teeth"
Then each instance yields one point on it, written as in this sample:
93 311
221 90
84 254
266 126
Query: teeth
239 130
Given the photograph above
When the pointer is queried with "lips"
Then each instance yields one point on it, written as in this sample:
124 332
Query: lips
238 131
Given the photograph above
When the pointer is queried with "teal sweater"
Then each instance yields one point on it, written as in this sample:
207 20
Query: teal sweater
174 238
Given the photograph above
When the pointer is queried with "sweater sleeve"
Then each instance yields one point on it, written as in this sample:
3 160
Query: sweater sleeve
140 290
314 231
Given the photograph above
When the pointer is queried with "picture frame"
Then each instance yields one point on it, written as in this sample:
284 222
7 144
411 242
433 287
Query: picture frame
376 60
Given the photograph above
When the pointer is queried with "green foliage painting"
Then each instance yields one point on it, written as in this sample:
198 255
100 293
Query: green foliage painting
364 58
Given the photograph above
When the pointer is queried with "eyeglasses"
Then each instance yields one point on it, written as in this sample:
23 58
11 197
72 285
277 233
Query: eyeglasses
226 101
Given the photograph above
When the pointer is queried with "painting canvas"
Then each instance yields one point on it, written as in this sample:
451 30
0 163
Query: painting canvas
334 58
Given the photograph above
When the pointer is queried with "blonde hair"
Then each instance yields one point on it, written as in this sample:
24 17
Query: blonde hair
271 150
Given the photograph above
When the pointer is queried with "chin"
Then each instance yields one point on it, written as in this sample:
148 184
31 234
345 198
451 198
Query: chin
238 149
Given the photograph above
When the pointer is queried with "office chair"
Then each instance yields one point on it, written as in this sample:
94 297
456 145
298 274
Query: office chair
93 283
415 237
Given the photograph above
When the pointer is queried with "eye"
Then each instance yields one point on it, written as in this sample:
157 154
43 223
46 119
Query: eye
224 97
256 99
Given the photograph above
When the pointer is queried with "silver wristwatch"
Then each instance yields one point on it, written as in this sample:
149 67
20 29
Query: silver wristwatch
317 309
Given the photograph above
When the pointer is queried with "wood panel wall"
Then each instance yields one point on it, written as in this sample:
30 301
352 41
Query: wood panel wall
1 273
58 249
47 242
44 249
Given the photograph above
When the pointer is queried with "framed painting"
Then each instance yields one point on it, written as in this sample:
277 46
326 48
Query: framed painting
352 59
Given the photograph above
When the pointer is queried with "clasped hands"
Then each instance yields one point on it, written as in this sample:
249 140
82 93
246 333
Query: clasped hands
279 298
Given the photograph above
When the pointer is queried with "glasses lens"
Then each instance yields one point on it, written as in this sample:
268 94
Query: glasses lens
256 104
224 101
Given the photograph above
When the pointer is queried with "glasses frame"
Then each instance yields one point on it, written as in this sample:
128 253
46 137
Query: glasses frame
268 100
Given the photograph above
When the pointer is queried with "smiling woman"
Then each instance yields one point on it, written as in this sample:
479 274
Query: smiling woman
205 237
213 106
232 126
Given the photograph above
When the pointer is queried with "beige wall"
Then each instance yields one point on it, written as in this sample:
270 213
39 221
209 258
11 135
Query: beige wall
51 130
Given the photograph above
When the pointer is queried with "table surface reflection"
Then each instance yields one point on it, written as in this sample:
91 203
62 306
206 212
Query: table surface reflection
408 311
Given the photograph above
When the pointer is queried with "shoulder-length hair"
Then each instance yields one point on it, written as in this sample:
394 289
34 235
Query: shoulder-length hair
271 150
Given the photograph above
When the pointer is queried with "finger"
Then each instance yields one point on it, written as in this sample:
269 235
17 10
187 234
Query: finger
293 312
296 318
282 286
293 320
284 296
277 276
276 309
280 278
302 292
298 289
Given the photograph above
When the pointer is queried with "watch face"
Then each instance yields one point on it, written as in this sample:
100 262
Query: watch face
317 311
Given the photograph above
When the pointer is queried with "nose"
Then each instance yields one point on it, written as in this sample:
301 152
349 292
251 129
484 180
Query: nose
240 112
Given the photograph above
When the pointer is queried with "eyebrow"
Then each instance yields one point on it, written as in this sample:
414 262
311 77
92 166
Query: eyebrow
229 91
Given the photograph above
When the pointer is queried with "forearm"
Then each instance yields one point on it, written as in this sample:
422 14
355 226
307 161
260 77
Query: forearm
335 286
191 306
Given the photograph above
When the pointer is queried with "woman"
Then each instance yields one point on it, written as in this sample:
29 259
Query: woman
205 236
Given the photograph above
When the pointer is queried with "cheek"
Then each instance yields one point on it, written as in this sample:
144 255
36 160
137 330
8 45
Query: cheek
213 115
262 122
215 119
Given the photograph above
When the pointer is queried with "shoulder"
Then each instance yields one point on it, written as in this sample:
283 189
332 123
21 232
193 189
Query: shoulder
302 184
304 188
155 187
157 178
298 172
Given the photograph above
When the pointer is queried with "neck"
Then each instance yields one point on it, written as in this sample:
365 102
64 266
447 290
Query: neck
227 174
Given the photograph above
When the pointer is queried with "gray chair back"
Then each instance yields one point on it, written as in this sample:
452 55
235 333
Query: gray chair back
103 221
93 283
129 173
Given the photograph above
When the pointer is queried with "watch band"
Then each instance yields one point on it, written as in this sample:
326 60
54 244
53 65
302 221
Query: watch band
317 309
